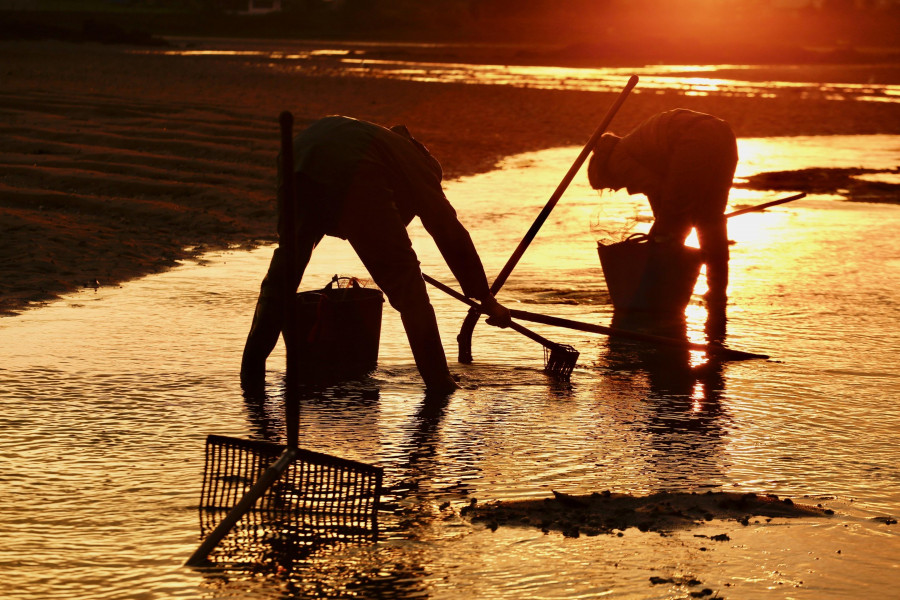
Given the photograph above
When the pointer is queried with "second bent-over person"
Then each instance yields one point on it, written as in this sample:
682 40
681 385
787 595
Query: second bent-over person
684 162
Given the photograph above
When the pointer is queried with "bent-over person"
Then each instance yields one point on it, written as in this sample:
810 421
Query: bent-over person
684 162
365 183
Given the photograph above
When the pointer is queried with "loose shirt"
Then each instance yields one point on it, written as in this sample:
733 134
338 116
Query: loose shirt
336 151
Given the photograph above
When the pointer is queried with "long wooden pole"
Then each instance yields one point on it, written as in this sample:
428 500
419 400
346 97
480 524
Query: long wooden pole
287 243
464 338
561 188
711 349
244 505
764 205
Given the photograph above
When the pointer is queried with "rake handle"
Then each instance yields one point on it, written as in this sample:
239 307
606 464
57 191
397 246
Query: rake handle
561 188
711 349
464 338
288 243
765 205
477 307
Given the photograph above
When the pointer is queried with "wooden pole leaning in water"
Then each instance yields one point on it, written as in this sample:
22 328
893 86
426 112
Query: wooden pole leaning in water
562 357
710 349
287 243
464 338
244 505
764 205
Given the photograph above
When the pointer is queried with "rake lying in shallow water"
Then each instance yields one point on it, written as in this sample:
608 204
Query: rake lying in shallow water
559 359
713 349
315 501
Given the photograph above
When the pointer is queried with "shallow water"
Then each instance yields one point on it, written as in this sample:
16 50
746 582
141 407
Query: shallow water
107 397
865 82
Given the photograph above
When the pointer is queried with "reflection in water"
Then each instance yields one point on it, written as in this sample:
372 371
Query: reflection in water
329 567
689 80
355 399
685 415
653 79
407 510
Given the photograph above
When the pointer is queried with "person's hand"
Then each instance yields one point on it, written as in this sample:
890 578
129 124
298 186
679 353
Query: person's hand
498 315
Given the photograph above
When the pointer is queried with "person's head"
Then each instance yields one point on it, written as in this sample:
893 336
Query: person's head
600 175
612 167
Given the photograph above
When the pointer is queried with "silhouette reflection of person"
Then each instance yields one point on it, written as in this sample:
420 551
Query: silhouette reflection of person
684 162
364 183
686 416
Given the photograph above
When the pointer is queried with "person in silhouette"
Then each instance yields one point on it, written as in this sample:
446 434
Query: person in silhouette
365 183
684 162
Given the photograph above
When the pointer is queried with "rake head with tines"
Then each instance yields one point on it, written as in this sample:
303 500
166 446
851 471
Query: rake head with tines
319 500
560 359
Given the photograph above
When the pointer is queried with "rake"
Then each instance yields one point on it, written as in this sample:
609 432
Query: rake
317 500
559 359
712 349
284 496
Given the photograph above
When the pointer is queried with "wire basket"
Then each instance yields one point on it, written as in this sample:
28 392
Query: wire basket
319 501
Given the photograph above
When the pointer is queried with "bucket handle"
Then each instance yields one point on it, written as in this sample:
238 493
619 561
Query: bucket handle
637 237
336 283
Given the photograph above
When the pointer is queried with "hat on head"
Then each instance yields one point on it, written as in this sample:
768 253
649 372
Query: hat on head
598 167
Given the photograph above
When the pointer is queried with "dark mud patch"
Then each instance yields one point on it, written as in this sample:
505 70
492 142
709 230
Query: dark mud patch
608 513
851 183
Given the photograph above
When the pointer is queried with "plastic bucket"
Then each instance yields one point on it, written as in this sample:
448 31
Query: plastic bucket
650 277
338 330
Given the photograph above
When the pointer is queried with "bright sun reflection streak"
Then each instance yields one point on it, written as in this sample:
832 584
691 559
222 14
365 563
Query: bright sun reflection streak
277 55
697 397
608 79
656 78
222 53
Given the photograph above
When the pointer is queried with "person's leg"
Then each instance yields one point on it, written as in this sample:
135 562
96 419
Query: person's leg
277 285
266 325
377 233
713 237
712 144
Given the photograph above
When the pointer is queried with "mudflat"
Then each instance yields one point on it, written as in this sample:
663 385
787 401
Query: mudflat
117 163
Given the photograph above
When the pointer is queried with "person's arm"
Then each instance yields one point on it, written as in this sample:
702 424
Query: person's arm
456 246
498 315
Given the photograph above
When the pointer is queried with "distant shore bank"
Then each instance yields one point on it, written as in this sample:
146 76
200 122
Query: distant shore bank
565 36
118 164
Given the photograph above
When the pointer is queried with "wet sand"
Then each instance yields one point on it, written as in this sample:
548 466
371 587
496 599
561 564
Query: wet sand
117 164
